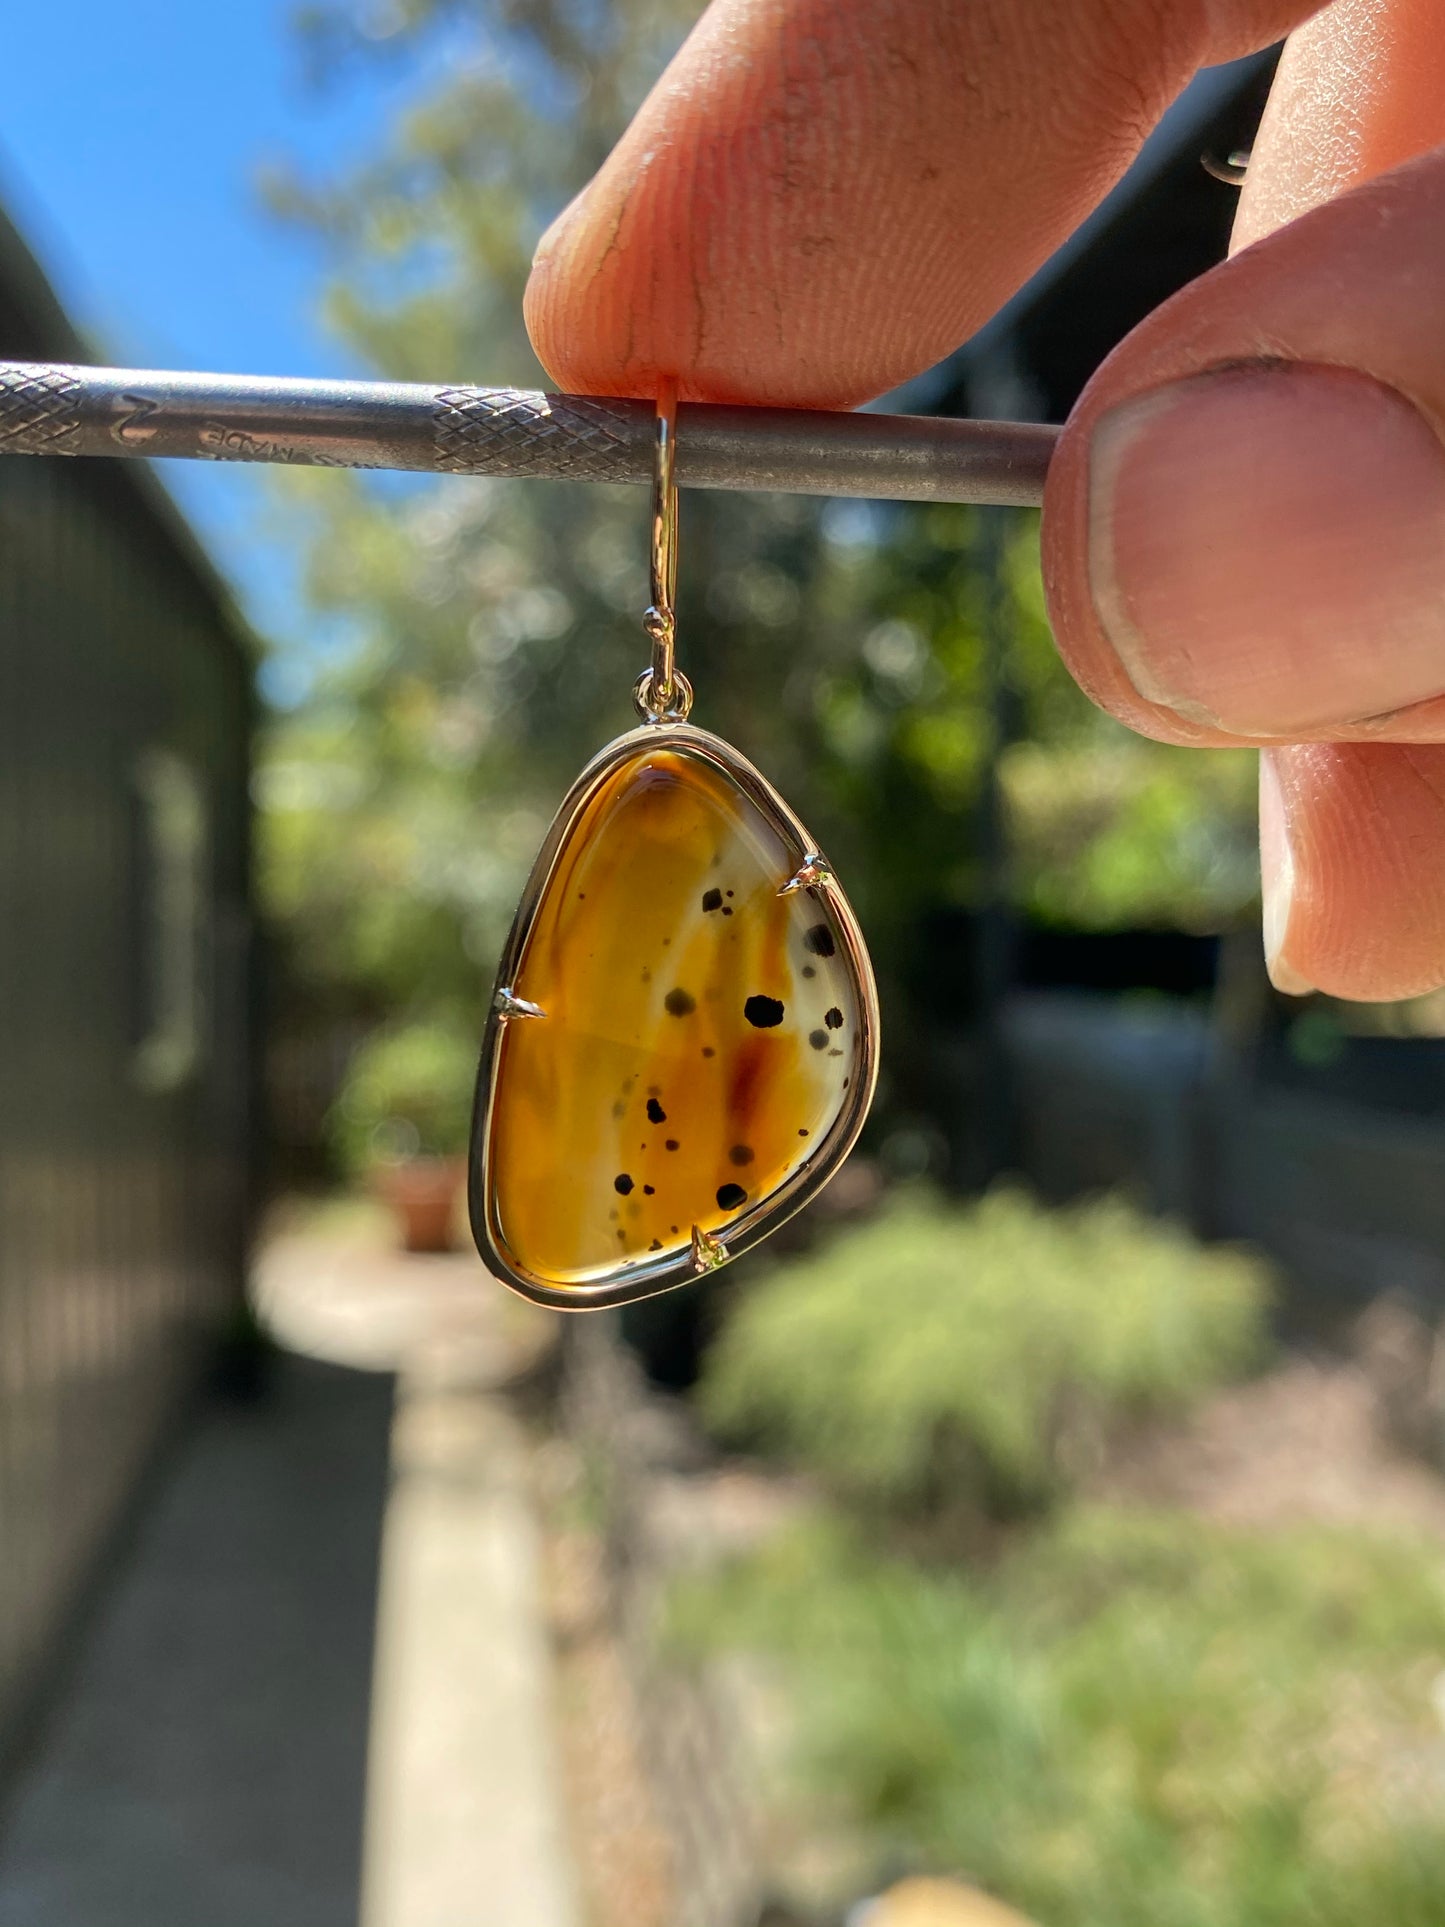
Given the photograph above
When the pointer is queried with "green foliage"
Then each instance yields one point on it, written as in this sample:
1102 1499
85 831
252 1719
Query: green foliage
1121 1718
1131 1721
1111 830
1105 828
480 639
936 1355
517 103
407 1093
483 638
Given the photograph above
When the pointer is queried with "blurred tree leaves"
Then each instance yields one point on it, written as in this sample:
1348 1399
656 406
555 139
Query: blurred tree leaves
1108 829
484 636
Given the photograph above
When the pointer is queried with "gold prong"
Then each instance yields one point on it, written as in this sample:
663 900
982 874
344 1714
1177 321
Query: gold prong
814 873
507 1004
708 1253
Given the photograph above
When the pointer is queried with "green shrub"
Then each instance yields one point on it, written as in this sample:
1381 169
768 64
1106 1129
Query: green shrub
939 1355
1130 1720
407 1093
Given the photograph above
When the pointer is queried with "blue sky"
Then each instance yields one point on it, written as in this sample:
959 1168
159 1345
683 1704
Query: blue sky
132 171
132 174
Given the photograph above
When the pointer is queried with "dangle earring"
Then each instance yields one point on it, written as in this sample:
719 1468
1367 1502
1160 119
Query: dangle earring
683 1041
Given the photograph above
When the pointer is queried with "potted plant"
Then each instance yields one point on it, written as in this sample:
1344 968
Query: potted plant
401 1122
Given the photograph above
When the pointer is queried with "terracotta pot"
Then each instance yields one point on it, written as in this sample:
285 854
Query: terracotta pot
423 1194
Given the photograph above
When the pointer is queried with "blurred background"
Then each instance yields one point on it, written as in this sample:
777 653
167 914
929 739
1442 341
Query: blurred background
1046 1528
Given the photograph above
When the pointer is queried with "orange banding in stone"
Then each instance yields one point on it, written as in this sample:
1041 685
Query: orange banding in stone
701 1036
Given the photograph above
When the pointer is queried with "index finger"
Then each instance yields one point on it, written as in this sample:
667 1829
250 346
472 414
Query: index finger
820 198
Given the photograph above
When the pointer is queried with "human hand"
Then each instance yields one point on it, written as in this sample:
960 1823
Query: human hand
1244 529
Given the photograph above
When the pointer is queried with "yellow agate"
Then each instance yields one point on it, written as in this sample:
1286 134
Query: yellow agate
699 1034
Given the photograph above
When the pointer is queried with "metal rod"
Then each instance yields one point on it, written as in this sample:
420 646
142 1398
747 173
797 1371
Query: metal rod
56 409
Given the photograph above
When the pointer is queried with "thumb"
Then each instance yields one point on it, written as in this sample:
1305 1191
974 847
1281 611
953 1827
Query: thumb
1245 522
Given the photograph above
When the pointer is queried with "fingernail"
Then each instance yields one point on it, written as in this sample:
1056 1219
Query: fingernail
1267 548
1277 880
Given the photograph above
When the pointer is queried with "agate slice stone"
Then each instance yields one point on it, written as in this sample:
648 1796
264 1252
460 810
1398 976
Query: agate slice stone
683 1041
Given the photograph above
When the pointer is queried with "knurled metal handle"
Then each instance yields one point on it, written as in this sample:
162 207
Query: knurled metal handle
506 431
40 410
60 409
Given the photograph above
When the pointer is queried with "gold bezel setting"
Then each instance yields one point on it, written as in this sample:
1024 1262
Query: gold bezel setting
640 1277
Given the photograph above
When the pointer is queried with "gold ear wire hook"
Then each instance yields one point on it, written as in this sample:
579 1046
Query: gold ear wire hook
662 693
1231 171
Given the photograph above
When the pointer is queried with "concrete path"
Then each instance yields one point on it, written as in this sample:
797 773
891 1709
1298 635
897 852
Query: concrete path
204 1763
209 1763
464 1822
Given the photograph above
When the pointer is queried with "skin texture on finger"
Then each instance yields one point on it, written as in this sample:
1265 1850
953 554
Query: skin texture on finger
1248 527
1359 89
1352 832
820 198
1353 840
1347 304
